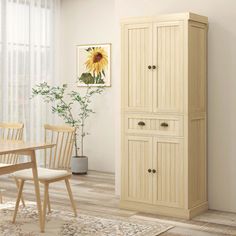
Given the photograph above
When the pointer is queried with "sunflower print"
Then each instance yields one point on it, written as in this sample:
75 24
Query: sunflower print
97 60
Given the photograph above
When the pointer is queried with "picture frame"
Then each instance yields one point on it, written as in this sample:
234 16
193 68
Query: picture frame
94 65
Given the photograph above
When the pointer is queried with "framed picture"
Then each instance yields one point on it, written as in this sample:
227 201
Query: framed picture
94 65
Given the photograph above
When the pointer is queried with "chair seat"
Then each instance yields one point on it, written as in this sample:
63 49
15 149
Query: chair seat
44 174
3 165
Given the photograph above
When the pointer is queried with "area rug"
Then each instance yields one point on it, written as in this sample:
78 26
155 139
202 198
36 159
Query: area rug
63 223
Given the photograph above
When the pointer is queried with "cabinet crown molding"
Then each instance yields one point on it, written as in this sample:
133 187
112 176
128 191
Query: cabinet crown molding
167 17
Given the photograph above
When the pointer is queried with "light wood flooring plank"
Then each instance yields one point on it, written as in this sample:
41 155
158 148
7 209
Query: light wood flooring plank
95 193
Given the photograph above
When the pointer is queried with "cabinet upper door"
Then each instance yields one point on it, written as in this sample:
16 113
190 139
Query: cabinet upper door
168 180
168 57
137 180
136 58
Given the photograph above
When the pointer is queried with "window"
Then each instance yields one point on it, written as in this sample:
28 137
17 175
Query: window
27 48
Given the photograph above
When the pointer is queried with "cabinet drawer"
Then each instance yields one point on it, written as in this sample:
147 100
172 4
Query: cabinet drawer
163 125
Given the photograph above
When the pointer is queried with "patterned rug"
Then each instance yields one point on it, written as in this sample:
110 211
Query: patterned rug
65 224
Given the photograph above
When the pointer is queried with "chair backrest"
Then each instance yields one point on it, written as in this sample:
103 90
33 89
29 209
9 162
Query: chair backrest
10 132
59 157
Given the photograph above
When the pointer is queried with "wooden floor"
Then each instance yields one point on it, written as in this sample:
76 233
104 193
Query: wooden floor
95 193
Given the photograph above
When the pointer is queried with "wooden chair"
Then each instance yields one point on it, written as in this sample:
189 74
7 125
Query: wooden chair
10 132
56 165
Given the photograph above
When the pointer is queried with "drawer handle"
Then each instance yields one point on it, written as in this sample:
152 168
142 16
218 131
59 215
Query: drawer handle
154 171
149 170
141 123
164 124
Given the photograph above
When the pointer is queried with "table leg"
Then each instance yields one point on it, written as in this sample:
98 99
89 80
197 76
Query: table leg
37 191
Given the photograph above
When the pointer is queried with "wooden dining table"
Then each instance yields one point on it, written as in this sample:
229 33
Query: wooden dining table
27 149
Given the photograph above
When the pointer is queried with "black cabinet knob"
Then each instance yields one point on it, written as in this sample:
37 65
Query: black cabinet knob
149 170
141 123
154 67
149 67
154 171
164 124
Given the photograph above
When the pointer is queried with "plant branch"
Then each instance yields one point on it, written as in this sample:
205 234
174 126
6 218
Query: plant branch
56 95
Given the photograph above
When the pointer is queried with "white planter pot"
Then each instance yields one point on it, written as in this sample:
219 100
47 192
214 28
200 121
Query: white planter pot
79 165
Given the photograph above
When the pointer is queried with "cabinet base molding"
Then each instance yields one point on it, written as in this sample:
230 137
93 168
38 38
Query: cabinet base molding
164 210
197 210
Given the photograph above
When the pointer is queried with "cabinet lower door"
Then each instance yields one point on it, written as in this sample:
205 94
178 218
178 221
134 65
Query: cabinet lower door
168 180
137 181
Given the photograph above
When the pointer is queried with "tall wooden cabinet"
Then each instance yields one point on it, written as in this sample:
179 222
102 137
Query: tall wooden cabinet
164 76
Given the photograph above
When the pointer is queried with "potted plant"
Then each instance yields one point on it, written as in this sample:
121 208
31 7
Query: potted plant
62 105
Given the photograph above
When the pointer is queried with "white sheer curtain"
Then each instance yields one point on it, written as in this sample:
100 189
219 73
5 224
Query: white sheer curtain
28 41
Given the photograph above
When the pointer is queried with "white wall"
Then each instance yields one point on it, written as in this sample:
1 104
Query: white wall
87 22
98 20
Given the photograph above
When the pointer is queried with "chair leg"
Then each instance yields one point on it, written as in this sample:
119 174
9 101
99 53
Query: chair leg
45 201
49 204
1 201
22 198
18 199
71 196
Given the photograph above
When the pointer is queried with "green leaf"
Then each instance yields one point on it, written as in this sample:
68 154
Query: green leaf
87 78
